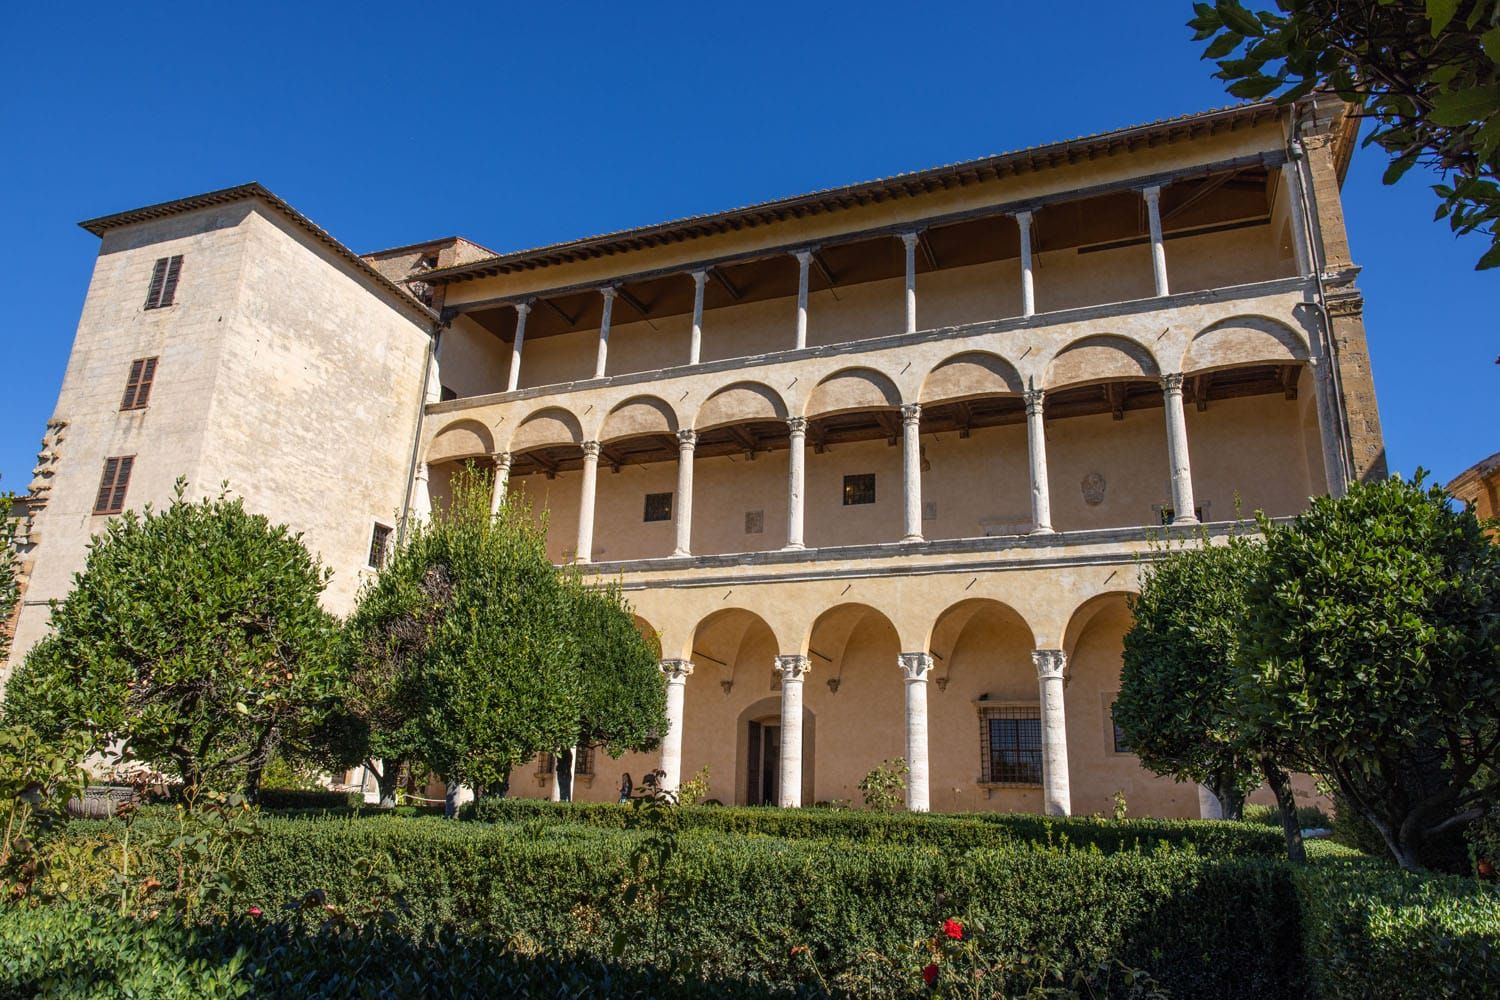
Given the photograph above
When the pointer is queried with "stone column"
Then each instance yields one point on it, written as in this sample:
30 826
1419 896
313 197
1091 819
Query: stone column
793 670
1334 475
1036 451
686 442
523 309
910 241
1291 182
609 292
585 548
1158 251
1056 800
804 261
671 745
563 765
1209 806
1028 290
916 668
1177 451
502 479
695 342
421 494
911 470
796 459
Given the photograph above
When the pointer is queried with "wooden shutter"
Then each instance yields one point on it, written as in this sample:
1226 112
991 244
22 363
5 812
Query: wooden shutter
169 288
112 485
106 486
158 276
148 375
132 384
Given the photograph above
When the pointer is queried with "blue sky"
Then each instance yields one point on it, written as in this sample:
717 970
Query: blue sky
396 124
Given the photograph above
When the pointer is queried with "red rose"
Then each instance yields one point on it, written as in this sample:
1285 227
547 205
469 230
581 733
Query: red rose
929 974
255 911
953 929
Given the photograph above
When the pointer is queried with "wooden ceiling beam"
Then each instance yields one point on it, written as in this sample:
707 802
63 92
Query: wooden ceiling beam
717 273
888 423
1201 385
1289 376
823 268
1114 395
630 300
570 320
927 251
1205 188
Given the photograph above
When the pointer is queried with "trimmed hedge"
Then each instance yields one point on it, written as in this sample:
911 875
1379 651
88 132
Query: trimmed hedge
1370 929
304 798
739 909
956 831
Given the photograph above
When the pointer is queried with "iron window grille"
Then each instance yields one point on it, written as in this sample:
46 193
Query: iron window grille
112 485
1010 745
755 522
859 489
658 507
163 288
138 385
380 542
1122 743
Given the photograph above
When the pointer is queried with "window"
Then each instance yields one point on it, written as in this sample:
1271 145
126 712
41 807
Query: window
859 489
1165 512
113 484
380 543
138 385
583 762
755 522
658 507
1010 745
163 282
1122 745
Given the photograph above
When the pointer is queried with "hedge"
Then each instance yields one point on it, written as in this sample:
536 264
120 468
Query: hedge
956 831
743 909
303 798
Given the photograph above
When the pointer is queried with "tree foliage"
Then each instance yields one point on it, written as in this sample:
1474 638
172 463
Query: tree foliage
10 590
194 633
1427 72
1373 643
624 700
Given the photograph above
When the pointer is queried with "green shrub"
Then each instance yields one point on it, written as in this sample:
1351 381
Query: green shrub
961 831
1308 817
301 798
744 908
1370 929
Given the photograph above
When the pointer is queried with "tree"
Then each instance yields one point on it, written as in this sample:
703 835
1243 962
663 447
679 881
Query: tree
1373 643
10 589
1427 71
194 633
1179 684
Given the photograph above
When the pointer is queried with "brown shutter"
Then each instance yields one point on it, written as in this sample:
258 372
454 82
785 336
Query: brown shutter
148 375
158 275
169 289
122 483
132 385
106 486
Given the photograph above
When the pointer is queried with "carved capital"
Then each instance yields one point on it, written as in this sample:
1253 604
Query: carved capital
1172 383
502 460
796 425
804 257
523 307
591 450
1352 305
1034 399
915 666
910 239
911 413
1152 194
1050 663
687 440
700 278
1023 219
676 670
792 667
609 292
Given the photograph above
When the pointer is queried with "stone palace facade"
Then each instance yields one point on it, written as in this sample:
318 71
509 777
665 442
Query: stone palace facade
876 465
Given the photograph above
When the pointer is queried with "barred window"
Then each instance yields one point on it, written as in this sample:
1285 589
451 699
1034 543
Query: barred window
859 489
163 288
658 507
1122 743
583 762
380 543
755 522
1011 745
1166 513
138 384
112 485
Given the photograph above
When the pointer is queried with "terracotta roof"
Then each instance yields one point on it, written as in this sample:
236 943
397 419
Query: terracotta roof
256 191
1470 476
833 199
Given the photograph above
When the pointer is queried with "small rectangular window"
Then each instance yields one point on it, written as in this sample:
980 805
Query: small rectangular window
380 543
163 288
658 507
112 485
1122 745
1167 513
859 489
755 522
583 761
1011 750
138 384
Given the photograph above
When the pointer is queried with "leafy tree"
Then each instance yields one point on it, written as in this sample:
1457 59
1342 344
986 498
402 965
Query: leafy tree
10 590
1373 642
1427 71
194 633
1179 703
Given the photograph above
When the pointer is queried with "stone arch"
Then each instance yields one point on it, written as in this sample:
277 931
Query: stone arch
649 633
548 427
970 375
768 709
741 402
1090 611
459 440
950 624
720 635
639 416
1100 358
828 636
852 389
1243 340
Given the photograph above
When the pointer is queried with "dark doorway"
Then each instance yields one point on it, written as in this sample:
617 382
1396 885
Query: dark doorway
765 763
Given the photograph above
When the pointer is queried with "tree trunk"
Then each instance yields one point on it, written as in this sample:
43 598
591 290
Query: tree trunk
1286 804
387 778
564 765
1226 789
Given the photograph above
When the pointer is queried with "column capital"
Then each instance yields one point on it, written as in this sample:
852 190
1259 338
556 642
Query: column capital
1034 398
792 666
1151 192
1050 663
805 255
591 449
523 307
911 413
687 438
677 671
610 291
1022 217
910 238
796 425
502 459
421 474
700 277
1172 382
915 666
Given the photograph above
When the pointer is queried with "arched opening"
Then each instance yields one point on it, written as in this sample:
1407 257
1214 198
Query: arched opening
637 483
740 470
460 443
546 462
983 710
855 688
734 657
974 460
854 480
